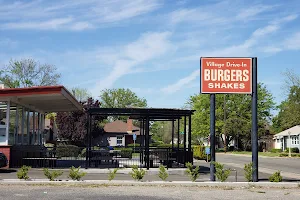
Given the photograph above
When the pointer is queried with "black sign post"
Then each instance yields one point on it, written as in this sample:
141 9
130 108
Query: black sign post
254 136
212 136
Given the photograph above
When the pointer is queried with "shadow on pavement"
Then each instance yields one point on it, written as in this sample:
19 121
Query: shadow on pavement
4 171
204 170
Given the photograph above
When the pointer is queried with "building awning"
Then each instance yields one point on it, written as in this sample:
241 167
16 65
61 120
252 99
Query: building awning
43 99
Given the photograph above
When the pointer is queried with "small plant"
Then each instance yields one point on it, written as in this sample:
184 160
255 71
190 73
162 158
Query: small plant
112 174
23 172
52 175
248 168
163 174
137 174
192 172
75 174
221 173
276 177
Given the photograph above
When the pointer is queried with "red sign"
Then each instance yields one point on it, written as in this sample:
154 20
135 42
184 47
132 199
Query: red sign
226 75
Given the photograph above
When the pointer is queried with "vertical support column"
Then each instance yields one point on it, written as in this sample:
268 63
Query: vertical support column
178 135
190 136
87 164
33 127
39 128
212 136
184 140
147 143
16 126
7 122
254 135
28 127
22 125
173 130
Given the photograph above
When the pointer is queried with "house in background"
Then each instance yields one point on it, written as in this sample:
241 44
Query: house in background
288 138
119 133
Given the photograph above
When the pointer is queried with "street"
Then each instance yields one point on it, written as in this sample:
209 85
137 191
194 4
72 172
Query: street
26 192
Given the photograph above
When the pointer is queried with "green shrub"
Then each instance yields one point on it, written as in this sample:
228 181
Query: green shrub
52 175
276 177
112 174
23 172
248 169
169 146
199 153
276 151
283 155
125 152
155 144
132 145
192 172
163 174
220 150
67 151
221 173
137 174
293 150
75 174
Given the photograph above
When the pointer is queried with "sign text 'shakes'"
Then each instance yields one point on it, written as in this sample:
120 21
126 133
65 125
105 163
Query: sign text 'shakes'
226 75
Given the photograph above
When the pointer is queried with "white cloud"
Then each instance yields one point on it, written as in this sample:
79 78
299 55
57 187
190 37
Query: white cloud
246 13
148 46
71 15
181 83
292 42
7 43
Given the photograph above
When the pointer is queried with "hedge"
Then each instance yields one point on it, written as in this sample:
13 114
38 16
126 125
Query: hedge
67 151
125 152
132 145
276 151
169 146
292 154
199 152
293 150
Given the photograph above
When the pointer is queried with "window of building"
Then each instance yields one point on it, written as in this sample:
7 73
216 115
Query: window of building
295 139
119 140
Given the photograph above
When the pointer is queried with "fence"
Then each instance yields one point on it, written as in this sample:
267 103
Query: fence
98 157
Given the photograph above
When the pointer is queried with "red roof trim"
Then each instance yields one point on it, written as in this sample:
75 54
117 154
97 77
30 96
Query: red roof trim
31 90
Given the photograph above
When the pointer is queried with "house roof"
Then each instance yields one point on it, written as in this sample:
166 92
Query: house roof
293 131
120 127
42 98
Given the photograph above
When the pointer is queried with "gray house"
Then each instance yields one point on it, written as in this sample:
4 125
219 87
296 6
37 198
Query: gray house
287 138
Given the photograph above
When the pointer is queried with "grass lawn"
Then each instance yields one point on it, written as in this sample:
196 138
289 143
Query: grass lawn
269 154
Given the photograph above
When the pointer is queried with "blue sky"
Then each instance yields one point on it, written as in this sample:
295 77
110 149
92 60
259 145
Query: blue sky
151 46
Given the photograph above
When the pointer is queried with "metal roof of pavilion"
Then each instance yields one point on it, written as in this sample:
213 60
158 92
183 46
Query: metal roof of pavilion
42 98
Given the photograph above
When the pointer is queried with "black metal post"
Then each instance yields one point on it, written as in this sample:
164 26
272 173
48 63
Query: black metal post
190 136
87 143
254 121
147 143
178 134
184 140
173 130
141 141
212 136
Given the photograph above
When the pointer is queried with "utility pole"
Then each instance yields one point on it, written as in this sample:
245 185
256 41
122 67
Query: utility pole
225 141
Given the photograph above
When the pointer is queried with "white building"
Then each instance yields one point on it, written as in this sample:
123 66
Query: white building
288 138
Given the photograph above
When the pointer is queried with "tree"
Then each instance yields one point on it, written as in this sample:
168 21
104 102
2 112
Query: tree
27 73
121 98
81 94
237 123
73 125
162 131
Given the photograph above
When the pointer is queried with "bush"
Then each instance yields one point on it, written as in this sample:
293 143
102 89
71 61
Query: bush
125 152
220 150
192 172
169 146
75 174
293 150
276 177
276 150
221 173
67 151
137 174
23 172
199 153
52 175
283 155
248 169
112 174
163 174
155 144
132 145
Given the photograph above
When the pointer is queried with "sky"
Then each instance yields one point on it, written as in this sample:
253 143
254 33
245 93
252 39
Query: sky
152 47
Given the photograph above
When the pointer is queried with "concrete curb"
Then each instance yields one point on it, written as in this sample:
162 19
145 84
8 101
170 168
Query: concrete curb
237 185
